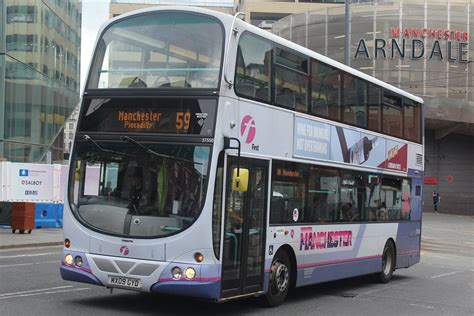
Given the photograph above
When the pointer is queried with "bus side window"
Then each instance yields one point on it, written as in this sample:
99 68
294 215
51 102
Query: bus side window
252 74
325 90
291 80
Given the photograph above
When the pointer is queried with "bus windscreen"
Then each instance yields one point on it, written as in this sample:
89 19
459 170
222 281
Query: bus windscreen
136 188
159 51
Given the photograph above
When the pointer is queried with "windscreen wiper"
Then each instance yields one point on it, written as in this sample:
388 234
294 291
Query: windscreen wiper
89 139
150 151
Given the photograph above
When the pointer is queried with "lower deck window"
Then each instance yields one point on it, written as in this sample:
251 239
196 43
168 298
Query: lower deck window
323 195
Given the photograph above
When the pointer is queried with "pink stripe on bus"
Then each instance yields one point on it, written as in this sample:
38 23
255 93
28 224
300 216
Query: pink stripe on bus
193 280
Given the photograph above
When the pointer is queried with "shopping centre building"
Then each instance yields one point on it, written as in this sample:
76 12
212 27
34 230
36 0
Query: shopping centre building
424 47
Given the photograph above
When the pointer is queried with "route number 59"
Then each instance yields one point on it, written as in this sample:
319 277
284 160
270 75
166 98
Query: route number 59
182 120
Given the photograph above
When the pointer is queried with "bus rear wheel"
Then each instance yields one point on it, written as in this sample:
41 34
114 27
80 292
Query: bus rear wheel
279 281
388 263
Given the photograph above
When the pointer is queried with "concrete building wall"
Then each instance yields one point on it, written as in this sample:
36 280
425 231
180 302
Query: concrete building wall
278 9
121 8
451 161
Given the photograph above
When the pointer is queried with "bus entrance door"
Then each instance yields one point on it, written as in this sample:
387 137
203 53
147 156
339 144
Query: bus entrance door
244 230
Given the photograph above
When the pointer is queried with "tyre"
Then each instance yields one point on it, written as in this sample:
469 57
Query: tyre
279 280
388 263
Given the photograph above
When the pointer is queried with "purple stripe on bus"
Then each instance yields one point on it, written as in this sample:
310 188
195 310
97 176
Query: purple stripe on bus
75 267
342 270
206 290
71 274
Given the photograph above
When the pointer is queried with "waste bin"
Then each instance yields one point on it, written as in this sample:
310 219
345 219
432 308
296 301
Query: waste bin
23 217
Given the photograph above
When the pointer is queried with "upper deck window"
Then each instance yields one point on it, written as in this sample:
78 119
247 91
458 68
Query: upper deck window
392 114
159 50
253 68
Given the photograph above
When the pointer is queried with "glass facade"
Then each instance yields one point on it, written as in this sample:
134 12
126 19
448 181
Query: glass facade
424 47
420 46
39 81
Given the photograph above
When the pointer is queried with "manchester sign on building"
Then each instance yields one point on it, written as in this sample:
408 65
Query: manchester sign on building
418 41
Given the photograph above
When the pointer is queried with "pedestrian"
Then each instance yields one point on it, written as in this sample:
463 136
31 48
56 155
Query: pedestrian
436 200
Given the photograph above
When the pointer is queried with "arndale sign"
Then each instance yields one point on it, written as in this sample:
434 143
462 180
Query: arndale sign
456 48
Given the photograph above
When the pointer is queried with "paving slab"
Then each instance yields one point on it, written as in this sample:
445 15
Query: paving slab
37 238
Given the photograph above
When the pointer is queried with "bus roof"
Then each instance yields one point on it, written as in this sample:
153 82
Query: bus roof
227 20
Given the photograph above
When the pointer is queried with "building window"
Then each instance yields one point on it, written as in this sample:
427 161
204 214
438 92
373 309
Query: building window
21 14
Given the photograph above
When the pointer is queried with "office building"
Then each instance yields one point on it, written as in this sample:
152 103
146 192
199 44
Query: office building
39 76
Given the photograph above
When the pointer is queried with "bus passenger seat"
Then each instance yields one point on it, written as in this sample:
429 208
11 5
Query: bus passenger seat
319 106
246 88
137 83
286 98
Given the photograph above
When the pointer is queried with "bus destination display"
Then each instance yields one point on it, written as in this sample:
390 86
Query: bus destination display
168 116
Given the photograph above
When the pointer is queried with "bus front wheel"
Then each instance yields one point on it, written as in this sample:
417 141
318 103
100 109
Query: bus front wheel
279 281
388 262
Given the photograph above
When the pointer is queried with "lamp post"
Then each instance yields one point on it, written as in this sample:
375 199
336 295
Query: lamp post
347 18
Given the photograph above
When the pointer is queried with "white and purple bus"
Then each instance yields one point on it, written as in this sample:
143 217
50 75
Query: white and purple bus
216 160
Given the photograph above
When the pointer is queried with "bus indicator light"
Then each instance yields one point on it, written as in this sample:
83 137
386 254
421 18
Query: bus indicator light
67 243
198 257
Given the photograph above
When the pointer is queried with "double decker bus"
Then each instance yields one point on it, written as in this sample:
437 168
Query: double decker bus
216 160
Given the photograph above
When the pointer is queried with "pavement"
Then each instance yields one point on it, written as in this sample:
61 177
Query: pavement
38 238
54 236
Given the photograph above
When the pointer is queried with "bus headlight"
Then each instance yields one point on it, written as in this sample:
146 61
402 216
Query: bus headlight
190 273
78 261
68 259
176 273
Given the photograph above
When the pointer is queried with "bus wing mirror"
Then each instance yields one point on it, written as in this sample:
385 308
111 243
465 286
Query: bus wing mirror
240 179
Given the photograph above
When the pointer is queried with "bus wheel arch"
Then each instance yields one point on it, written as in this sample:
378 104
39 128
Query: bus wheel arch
389 257
282 276
293 267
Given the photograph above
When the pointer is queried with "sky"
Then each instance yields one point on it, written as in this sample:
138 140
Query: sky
94 13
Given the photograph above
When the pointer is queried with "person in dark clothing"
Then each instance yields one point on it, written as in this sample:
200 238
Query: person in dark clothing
436 200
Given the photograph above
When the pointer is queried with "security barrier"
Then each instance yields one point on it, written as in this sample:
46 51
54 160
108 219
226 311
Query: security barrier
49 215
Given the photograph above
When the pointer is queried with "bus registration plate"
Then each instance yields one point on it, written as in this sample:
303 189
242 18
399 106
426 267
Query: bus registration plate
125 282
